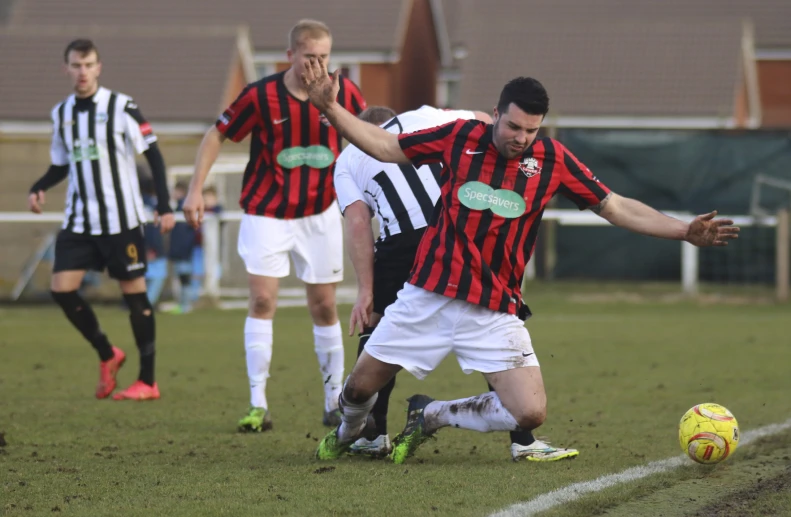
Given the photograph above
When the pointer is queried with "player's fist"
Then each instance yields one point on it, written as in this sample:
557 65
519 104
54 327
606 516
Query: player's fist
35 201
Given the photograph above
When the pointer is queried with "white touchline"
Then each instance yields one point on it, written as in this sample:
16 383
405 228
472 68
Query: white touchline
577 490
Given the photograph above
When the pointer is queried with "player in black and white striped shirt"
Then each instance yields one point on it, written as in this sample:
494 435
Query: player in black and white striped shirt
402 198
96 135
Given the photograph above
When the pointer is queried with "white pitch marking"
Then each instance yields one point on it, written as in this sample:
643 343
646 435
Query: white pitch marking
577 490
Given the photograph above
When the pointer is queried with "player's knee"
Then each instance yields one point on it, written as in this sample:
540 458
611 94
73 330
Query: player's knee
356 393
528 418
139 304
323 311
261 305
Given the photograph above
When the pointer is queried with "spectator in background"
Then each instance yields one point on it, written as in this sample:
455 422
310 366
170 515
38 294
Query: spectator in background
211 206
182 244
157 271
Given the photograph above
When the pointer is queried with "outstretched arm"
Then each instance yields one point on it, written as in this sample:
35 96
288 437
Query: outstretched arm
374 141
633 215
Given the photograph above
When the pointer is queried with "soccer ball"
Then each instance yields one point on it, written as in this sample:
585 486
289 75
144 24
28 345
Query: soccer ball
708 433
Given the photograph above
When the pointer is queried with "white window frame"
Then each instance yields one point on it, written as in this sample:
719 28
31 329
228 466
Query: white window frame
354 70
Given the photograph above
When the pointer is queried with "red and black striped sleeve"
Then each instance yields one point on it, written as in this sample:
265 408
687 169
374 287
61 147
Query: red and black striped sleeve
239 119
351 97
428 145
577 182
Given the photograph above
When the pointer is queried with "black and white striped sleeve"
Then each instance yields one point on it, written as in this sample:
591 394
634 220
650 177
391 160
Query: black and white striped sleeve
138 130
58 153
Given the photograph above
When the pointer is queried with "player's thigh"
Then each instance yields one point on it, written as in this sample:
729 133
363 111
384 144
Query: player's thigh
74 255
415 333
318 247
489 341
125 256
263 245
521 391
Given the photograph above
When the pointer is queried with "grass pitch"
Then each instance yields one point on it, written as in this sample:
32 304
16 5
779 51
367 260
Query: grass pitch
619 373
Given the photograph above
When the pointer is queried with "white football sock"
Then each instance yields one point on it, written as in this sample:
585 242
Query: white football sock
258 348
483 413
353 418
328 342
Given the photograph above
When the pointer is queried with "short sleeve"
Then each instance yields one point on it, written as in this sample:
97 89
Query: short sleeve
346 188
351 97
578 183
428 145
58 154
239 119
138 130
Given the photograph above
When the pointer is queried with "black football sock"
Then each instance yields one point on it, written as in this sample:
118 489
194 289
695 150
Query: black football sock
141 316
519 437
379 411
83 318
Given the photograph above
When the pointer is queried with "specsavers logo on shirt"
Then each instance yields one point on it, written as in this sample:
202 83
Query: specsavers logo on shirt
316 156
480 196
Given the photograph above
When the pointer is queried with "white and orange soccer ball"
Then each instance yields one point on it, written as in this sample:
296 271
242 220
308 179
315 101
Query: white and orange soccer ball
708 433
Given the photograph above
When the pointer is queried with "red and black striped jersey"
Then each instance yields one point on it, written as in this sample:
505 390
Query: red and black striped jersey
292 150
490 208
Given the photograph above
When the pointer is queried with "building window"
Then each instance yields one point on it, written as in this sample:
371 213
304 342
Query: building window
349 70
447 93
264 69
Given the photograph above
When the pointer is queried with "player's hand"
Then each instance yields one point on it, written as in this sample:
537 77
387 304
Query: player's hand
704 230
166 222
35 201
193 208
361 312
322 87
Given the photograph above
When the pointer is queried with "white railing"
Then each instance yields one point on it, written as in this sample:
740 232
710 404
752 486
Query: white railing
689 253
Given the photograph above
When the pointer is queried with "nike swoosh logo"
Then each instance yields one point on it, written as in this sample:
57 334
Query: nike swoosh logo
469 151
279 121
527 355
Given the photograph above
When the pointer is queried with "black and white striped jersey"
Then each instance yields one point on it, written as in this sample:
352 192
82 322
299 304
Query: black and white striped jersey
98 138
401 196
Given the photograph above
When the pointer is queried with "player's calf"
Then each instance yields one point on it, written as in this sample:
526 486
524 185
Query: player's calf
81 315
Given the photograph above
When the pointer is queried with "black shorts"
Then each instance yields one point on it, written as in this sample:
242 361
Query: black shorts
392 264
123 254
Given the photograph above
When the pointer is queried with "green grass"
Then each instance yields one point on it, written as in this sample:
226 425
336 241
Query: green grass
619 376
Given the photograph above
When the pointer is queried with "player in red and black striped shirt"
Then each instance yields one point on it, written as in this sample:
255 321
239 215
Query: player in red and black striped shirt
290 210
463 295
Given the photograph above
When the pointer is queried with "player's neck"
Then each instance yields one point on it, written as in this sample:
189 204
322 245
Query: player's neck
88 94
294 85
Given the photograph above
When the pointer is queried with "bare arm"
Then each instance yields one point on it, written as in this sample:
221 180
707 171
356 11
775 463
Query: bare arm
633 215
207 154
639 218
360 245
374 141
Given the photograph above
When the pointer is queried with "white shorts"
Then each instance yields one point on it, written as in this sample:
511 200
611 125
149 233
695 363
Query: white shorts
315 244
422 327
